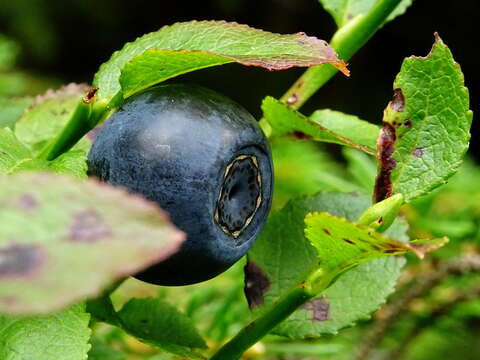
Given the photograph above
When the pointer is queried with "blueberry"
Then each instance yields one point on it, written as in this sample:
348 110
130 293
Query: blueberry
203 159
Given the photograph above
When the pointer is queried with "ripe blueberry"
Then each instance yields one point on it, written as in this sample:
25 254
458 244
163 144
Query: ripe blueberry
203 159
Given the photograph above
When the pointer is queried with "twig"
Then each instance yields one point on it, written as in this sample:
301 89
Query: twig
439 311
393 312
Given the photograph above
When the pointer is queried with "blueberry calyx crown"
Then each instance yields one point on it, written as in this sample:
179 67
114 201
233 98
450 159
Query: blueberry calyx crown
240 195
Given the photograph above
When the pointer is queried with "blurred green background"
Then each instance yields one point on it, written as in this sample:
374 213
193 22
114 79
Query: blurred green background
46 43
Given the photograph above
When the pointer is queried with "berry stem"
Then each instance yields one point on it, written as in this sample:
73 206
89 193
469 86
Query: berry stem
88 114
77 124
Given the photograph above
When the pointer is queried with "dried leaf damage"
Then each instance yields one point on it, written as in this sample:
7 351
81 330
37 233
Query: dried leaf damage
386 147
398 102
256 284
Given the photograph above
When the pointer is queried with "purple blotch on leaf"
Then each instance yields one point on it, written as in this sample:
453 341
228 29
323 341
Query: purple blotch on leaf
20 260
256 284
418 152
87 227
27 202
320 309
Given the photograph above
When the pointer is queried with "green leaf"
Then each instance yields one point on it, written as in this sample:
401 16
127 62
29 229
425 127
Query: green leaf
47 117
188 46
282 258
72 162
343 11
158 323
348 126
102 309
341 244
324 125
65 333
62 240
101 351
304 168
12 151
426 126
11 109
361 167
155 66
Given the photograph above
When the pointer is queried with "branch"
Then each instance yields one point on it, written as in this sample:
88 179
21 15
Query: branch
393 312
437 312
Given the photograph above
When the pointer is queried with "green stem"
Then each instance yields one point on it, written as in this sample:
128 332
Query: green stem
78 123
88 114
346 41
261 326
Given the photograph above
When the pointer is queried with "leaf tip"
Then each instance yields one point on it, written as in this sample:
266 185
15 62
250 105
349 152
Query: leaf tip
342 67
422 247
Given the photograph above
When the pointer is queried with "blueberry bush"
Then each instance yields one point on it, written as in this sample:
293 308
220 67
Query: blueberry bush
340 269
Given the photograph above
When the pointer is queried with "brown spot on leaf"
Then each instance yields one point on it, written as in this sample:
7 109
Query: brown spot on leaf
386 147
376 247
320 309
256 284
418 152
301 135
348 241
299 84
27 202
326 231
88 227
20 260
398 101
391 251
407 123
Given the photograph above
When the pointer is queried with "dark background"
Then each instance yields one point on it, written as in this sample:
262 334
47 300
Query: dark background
70 39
